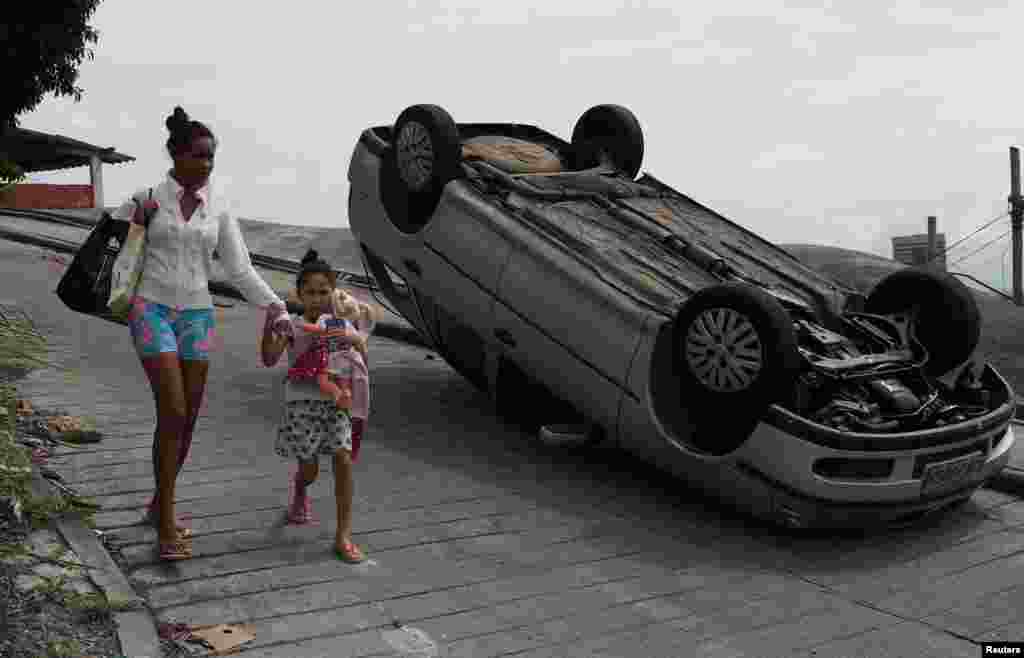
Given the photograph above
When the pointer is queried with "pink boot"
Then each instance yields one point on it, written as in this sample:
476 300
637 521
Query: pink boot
300 509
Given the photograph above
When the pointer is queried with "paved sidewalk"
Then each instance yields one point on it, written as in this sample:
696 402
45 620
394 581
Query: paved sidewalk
482 543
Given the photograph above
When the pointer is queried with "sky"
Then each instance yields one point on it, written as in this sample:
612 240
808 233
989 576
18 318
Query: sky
836 123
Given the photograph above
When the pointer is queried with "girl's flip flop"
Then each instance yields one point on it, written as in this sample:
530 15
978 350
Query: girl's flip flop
349 553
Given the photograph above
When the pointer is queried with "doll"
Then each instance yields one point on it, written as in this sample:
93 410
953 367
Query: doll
358 315
313 364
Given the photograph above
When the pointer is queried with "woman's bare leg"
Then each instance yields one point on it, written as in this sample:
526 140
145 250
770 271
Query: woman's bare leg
194 374
166 380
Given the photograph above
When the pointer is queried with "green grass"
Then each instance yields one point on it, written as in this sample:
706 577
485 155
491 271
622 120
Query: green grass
1002 330
23 349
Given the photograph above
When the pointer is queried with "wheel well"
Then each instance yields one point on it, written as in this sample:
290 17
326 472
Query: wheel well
528 403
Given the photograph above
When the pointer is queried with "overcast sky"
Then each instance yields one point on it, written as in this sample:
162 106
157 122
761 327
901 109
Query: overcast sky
840 123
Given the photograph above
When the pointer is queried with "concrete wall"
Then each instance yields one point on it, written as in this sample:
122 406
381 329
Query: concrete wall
28 196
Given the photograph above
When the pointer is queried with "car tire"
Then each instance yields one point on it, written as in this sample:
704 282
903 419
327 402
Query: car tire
947 322
424 156
614 130
735 355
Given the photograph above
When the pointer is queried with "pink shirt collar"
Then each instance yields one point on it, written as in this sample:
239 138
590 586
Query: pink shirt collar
203 193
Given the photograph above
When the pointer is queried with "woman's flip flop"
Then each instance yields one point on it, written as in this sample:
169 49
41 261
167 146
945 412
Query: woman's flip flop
175 550
150 518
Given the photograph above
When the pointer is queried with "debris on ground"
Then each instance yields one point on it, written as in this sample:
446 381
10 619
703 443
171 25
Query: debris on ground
220 639
224 638
24 408
62 424
52 428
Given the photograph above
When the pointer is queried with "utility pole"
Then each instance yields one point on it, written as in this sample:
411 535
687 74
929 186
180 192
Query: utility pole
1016 220
932 251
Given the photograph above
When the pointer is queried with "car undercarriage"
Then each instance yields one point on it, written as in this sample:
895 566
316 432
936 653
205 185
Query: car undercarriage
872 378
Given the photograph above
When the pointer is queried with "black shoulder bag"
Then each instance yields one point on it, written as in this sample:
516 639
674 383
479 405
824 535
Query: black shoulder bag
85 286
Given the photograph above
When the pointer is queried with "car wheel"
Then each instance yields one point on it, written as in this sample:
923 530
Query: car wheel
424 156
614 130
735 354
944 314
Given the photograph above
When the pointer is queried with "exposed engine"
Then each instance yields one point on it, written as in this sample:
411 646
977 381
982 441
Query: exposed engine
871 379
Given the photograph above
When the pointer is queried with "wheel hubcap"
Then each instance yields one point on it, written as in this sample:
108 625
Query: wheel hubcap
415 155
723 350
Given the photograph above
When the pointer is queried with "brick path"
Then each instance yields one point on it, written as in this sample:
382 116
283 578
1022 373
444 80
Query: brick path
481 542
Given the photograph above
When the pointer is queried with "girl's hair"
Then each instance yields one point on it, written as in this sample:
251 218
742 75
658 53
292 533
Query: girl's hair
313 264
184 131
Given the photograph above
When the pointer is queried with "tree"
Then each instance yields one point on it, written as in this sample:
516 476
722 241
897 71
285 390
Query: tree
45 43
10 174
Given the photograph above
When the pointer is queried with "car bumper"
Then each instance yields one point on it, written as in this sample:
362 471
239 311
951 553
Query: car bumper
793 495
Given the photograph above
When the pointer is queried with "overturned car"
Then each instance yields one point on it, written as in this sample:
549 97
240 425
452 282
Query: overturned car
554 279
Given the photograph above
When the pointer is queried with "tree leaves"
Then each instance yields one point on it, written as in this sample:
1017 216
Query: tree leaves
43 45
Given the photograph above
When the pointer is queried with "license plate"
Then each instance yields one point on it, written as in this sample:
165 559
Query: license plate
944 476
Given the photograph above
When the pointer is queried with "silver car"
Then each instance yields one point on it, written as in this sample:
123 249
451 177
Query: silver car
570 290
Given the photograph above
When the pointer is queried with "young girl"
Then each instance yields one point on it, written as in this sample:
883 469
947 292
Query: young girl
312 423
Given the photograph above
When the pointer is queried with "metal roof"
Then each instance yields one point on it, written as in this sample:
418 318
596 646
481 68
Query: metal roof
37 151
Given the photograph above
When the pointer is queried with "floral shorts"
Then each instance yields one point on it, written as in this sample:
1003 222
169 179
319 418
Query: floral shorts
313 427
159 329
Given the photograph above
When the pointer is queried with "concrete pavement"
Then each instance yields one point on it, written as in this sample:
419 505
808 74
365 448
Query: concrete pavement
483 543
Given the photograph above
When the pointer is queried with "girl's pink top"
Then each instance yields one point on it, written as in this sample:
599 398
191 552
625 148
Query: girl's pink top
347 364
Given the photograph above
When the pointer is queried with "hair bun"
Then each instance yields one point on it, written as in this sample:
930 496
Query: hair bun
310 257
177 120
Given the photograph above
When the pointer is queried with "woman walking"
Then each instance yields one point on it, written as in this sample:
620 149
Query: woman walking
171 320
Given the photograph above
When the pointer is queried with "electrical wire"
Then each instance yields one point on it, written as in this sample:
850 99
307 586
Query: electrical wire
965 238
992 258
983 247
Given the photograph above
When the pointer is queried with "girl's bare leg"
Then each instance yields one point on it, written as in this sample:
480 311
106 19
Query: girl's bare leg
309 472
343 490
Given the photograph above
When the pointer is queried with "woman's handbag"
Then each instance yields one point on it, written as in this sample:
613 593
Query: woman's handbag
86 284
127 271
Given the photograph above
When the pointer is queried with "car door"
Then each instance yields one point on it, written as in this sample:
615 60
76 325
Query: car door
455 274
463 253
558 326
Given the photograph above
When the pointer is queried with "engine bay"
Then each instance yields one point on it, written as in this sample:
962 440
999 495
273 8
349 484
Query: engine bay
871 378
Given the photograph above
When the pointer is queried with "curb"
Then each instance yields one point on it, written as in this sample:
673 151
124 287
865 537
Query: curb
1011 479
136 627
